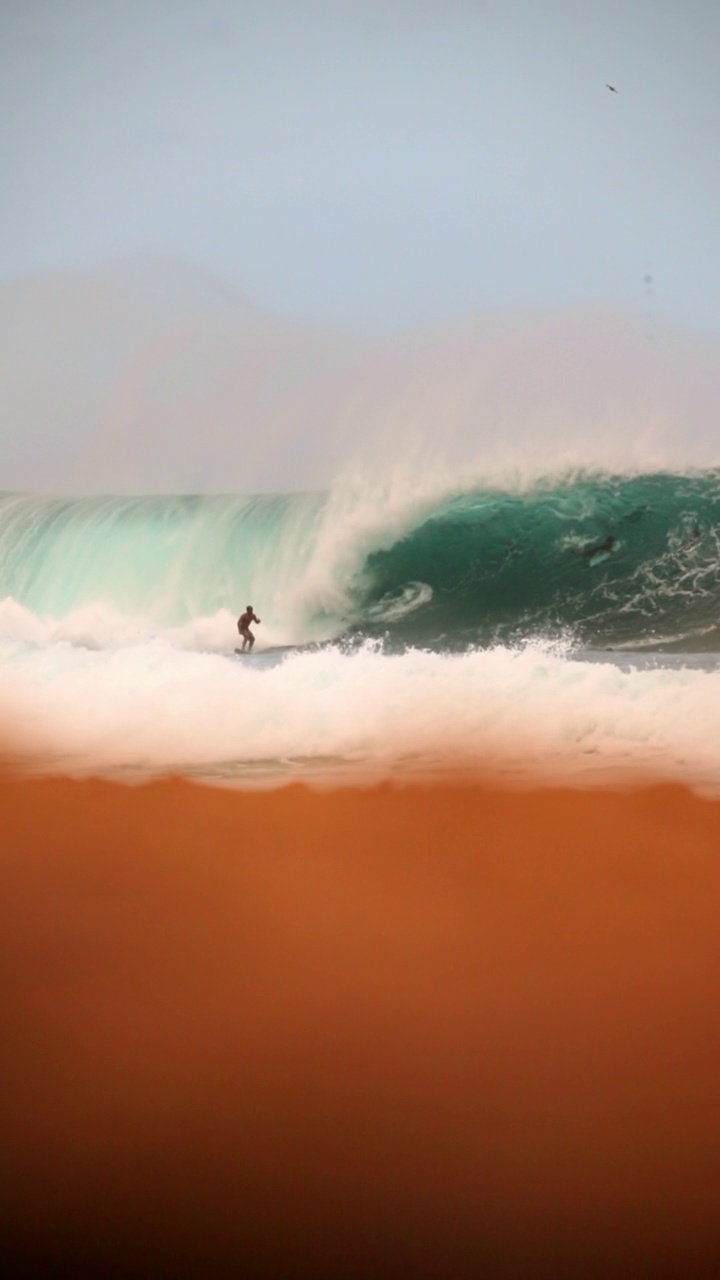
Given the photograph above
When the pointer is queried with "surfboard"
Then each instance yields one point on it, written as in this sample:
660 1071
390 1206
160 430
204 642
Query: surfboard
275 648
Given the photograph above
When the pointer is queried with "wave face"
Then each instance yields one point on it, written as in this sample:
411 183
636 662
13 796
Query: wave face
631 560
613 560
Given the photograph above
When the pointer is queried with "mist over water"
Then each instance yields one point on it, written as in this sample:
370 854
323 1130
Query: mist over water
148 376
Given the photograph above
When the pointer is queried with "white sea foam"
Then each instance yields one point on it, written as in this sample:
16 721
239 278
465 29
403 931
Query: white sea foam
154 706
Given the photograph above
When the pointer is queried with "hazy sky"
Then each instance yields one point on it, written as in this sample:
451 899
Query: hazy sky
372 163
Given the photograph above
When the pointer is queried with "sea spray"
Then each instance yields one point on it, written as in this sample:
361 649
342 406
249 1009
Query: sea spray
534 711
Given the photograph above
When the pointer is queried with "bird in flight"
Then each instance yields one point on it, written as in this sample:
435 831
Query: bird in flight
611 87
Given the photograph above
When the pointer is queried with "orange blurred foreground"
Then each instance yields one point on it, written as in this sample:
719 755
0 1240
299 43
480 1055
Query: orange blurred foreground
431 1031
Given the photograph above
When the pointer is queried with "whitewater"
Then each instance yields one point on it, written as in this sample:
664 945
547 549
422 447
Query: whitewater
566 626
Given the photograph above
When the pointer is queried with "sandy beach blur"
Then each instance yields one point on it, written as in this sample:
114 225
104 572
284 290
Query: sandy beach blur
451 1030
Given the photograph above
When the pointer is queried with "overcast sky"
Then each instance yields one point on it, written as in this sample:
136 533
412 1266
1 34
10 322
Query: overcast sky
367 163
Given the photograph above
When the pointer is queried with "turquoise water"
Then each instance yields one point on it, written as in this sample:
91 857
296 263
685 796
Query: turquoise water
604 560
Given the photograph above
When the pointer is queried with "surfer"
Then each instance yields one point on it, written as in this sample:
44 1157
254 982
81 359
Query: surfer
243 627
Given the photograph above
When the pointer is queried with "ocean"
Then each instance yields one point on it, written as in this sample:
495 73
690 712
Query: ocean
569 625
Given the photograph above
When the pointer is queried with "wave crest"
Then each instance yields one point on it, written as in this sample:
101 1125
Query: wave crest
626 560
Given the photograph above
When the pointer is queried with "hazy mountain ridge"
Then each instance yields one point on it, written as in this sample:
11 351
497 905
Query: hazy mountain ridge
151 375
152 372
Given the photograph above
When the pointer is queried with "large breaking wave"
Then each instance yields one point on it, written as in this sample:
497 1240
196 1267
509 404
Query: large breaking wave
605 560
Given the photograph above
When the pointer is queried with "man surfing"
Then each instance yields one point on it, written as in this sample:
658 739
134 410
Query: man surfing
243 627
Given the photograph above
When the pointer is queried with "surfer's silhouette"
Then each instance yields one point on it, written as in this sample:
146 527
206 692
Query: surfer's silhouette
243 627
